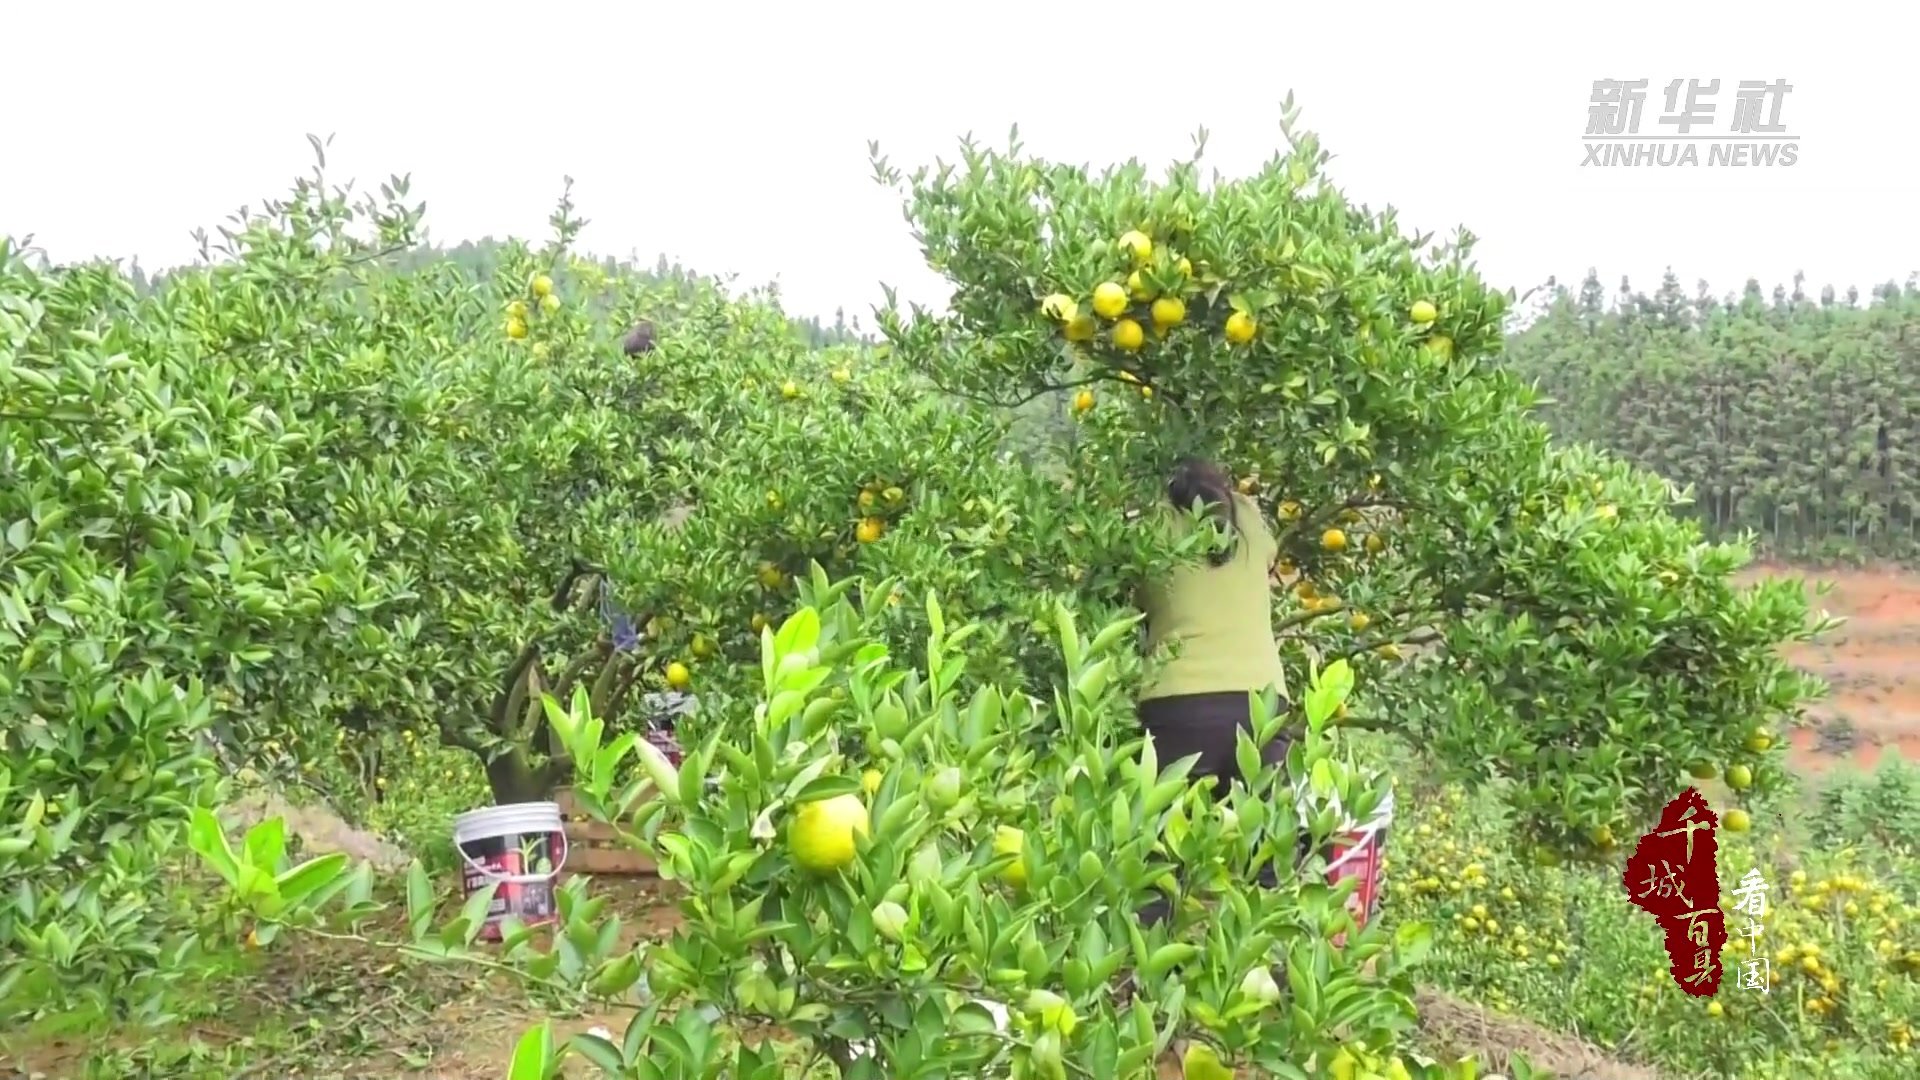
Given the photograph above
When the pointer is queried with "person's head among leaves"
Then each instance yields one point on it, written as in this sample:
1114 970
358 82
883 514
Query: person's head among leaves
639 339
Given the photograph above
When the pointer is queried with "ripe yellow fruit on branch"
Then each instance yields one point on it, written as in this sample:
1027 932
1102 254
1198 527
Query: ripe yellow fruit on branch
1333 540
1137 287
1737 820
1186 267
1240 328
1760 742
678 676
516 329
841 375
1081 328
1739 778
1128 335
869 530
1083 401
1359 620
1008 840
542 285
1424 312
1290 511
789 389
1169 311
1138 246
550 303
1440 346
517 309
1109 300
821 838
1060 307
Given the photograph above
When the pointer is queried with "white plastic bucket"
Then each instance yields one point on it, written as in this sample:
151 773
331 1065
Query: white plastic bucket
512 847
1356 851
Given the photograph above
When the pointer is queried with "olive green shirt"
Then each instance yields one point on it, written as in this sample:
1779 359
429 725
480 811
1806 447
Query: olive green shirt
1219 619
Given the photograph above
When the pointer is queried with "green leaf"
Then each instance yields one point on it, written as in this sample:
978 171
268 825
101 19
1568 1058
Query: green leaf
420 906
533 1054
310 877
600 1052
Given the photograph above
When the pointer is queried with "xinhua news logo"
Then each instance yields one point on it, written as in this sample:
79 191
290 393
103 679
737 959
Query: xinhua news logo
1686 134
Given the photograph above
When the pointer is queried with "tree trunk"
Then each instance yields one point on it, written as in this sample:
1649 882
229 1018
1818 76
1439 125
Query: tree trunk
515 780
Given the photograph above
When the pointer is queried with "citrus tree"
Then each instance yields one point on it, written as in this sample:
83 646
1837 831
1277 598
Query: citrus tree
1586 644
957 902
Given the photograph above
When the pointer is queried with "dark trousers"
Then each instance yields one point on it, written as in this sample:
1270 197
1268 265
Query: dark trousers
1208 725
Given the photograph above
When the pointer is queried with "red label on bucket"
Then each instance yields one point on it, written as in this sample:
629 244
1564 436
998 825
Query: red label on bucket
489 859
1357 855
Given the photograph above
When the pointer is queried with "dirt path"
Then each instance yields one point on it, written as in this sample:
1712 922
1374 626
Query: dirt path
1872 663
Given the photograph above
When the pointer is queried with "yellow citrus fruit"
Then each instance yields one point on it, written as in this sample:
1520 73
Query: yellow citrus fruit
1389 651
1739 778
517 310
1608 512
758 622
1109 300
1169 311
789 389
1290 511
1424 312
1138 246
866 500
869 530
1128 335
678 676
1759 742
1081 328
1240 328
841 375
541 351
1333 540
1201 1063
550 303
1083 401
1137 287
1146 393
1702 770
1441 346
894 496
1375 544
821 838
516 329
703 646
771 576
1186 267
1737 821
870 781
1008 840
1714 1008
1060 307
1359 620
542 285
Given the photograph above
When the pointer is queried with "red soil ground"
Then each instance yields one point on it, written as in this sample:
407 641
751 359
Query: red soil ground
1871 662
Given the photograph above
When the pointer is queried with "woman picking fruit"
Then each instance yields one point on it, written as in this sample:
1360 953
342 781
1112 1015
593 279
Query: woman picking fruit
1216 620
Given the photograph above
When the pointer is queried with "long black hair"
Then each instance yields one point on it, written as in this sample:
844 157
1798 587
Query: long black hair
1198 480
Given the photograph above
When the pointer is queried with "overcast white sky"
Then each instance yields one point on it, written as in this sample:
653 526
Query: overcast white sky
733 135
